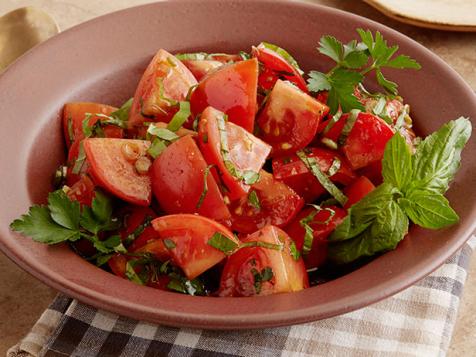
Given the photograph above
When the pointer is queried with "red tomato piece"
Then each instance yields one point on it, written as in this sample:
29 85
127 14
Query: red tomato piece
231 89
278 204
117 264
373 172
177 176
263 271
74 115
72 175
188 237
82 191
165 82
289 119
366 141
276 67
292 171
358 190
113 168
200 68
246 153
321 230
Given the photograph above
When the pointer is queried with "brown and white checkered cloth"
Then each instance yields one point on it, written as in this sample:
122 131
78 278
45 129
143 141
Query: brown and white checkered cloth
416 322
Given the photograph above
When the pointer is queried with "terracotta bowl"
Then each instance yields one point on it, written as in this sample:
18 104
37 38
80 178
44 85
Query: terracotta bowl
102 60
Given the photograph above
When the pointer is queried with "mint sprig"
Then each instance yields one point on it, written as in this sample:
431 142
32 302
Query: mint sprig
413 190
354 61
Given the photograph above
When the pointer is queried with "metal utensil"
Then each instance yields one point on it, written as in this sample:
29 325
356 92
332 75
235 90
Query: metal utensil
22 29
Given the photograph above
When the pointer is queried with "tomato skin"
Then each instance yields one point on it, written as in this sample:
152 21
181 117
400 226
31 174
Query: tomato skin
289 119
278 205
358 190
176 80
247 152
190 234
292 171
231 89
74 115
318 254
366 141
111 170
82 191
373 172
200 68
274 67
289 275
177 177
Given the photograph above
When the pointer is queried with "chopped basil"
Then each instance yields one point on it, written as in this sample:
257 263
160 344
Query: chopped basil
261 244
401 118
222 243
199 56
335 118
169 101
349 124
308 231
162 133
331 144
253 199
283 53
122 114
156 148
70 129
250 177
206 172
312 166
169 243
180 117
294 251
78 164
380 109
334 167
266 274
138 231
131 273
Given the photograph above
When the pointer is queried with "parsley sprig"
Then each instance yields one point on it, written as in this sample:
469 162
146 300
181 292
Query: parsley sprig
354 61
63 220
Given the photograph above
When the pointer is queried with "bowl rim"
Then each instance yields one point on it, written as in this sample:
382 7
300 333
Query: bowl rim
251 320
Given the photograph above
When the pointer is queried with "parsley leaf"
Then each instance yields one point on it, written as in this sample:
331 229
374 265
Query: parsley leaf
63 211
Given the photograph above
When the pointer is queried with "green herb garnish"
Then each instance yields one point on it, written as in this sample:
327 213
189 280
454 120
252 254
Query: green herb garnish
253 199
266 274
180 117
206 172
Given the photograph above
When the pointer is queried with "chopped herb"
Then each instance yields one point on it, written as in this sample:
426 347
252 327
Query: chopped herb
244 55
223 243
169 243
122 114
138 231
199 56
70 129
253 199
261 244
180 117
294 251
349 124
78 164
334 167
162 133
266 274
206 172
335 118
131 273
312 166
60 176
401 118
156 148
331 144
308 231
103 259
284 54
250 177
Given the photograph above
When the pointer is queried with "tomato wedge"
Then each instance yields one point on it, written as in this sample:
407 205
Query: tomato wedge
187 236
358 190
323 223
263 271
292 171
165 82
113 165
82 191
276 67
366 140
238 155
289 119
178 175
74 115
231 89
200 68
269 202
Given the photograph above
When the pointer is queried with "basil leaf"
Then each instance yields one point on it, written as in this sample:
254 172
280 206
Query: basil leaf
428 209
383 233
438 156
222 243
397 167
362 214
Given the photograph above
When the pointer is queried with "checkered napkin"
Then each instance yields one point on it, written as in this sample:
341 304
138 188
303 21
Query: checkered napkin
416 322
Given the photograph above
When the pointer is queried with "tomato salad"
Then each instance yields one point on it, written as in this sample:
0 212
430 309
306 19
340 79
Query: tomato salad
240 175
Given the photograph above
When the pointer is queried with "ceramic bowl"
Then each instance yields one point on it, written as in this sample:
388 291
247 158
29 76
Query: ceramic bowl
103 59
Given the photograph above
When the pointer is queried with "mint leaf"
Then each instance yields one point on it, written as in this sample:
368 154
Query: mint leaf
38 225
384 232
63 211
397 167
428 209
438 156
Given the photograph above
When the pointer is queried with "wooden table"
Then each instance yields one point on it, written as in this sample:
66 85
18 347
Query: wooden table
23 298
